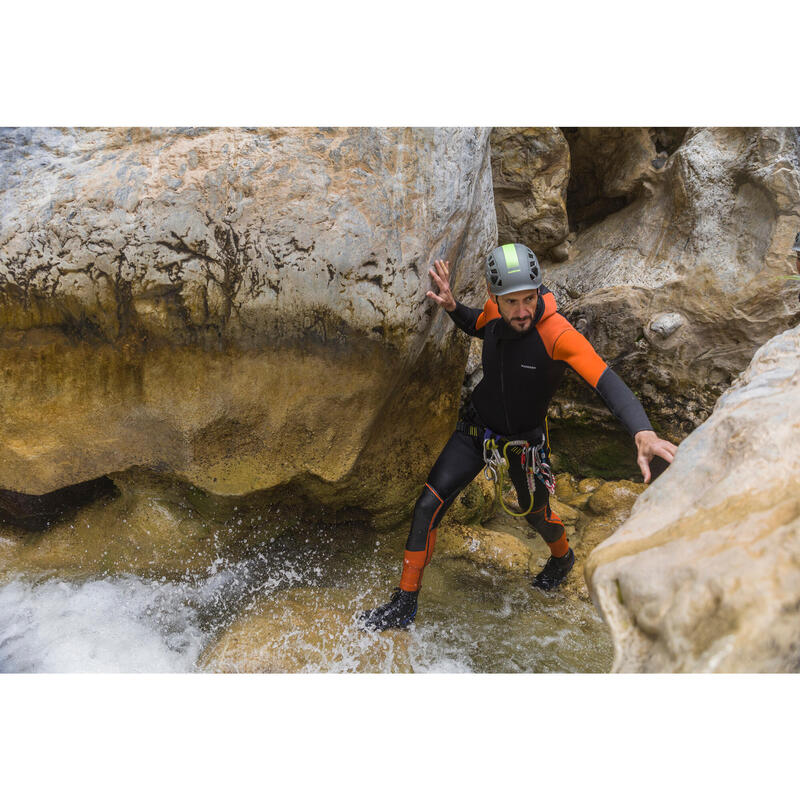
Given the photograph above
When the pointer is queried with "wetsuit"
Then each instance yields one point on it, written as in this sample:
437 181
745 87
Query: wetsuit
521 373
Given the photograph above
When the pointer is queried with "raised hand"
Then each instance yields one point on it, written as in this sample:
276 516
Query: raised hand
440 277
649 446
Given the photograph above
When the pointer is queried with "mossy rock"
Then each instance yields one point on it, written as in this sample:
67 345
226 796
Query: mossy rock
591 451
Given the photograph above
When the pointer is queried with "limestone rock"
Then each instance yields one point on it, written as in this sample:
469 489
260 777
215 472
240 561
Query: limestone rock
153 528
566 512
664 325
305 630
615 498
241 308
609 166
566 487
473 372
530 168
580 501
475 504
484 547
703 576
589 485
707 237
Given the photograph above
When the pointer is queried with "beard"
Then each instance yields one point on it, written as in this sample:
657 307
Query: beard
519 324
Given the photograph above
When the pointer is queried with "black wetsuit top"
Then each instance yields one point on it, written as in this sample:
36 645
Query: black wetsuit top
522 371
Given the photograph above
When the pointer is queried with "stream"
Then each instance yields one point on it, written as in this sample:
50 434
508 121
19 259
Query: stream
298 592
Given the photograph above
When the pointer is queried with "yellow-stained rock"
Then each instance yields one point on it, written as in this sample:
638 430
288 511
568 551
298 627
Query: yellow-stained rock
484 547
615 498
566 487
238 308
530 170
568 514
589 485
306 630
475 504
580 501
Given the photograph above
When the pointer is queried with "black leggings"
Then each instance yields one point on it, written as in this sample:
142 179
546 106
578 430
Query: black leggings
459 462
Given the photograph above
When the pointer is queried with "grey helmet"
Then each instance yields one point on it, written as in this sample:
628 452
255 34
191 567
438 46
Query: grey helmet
796 245
512 268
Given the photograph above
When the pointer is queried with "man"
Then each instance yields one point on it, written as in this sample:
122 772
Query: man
527 346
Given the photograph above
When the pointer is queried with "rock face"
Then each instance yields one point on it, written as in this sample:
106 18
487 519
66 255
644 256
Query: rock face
244 309
703 576
684 281
531 168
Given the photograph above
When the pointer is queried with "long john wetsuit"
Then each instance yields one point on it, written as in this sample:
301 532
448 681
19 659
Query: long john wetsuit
521 373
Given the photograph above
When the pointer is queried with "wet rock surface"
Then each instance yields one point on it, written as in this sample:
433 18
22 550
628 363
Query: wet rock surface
702 577
303 630
591 510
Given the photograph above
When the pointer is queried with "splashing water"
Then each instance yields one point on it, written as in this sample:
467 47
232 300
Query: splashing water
290 605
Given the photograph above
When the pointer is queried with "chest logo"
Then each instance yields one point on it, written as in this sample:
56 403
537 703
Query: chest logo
527 366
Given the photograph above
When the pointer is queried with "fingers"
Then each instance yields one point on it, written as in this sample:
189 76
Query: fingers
667 455
644 466
439 281
440 300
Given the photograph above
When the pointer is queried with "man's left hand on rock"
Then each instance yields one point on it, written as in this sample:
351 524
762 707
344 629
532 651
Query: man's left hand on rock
649 445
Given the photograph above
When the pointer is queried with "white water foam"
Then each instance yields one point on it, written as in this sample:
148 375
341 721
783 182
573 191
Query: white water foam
120 625
127 623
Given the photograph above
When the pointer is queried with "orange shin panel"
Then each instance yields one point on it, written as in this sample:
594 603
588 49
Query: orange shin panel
560 547
413 565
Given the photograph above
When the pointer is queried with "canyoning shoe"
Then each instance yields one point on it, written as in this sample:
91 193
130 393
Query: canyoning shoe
554 572
397 613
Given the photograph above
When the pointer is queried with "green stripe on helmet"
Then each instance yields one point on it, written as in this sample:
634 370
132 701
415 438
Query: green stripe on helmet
512 261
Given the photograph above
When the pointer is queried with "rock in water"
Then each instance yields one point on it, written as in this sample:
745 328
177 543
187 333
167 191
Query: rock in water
306 630
241 308
703 576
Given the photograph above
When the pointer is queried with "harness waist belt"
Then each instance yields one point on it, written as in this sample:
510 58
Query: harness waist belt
534 436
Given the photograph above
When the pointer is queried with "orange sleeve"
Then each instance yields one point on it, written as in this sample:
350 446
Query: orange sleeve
574 348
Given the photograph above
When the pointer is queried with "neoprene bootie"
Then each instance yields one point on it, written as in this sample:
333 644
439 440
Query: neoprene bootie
397 613
554 572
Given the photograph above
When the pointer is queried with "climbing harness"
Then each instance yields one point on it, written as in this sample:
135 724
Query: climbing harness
533 460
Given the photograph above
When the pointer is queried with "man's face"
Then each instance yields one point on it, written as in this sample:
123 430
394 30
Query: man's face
518 308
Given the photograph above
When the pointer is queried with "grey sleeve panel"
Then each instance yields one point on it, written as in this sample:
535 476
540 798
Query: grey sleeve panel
465 318
622 402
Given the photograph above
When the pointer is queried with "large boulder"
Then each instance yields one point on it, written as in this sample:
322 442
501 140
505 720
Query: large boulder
684 281
243 309
703 576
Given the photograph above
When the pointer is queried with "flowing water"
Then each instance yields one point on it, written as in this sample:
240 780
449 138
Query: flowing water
288 601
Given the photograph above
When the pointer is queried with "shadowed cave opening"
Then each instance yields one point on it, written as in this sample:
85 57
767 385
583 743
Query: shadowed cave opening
608 165
35 512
